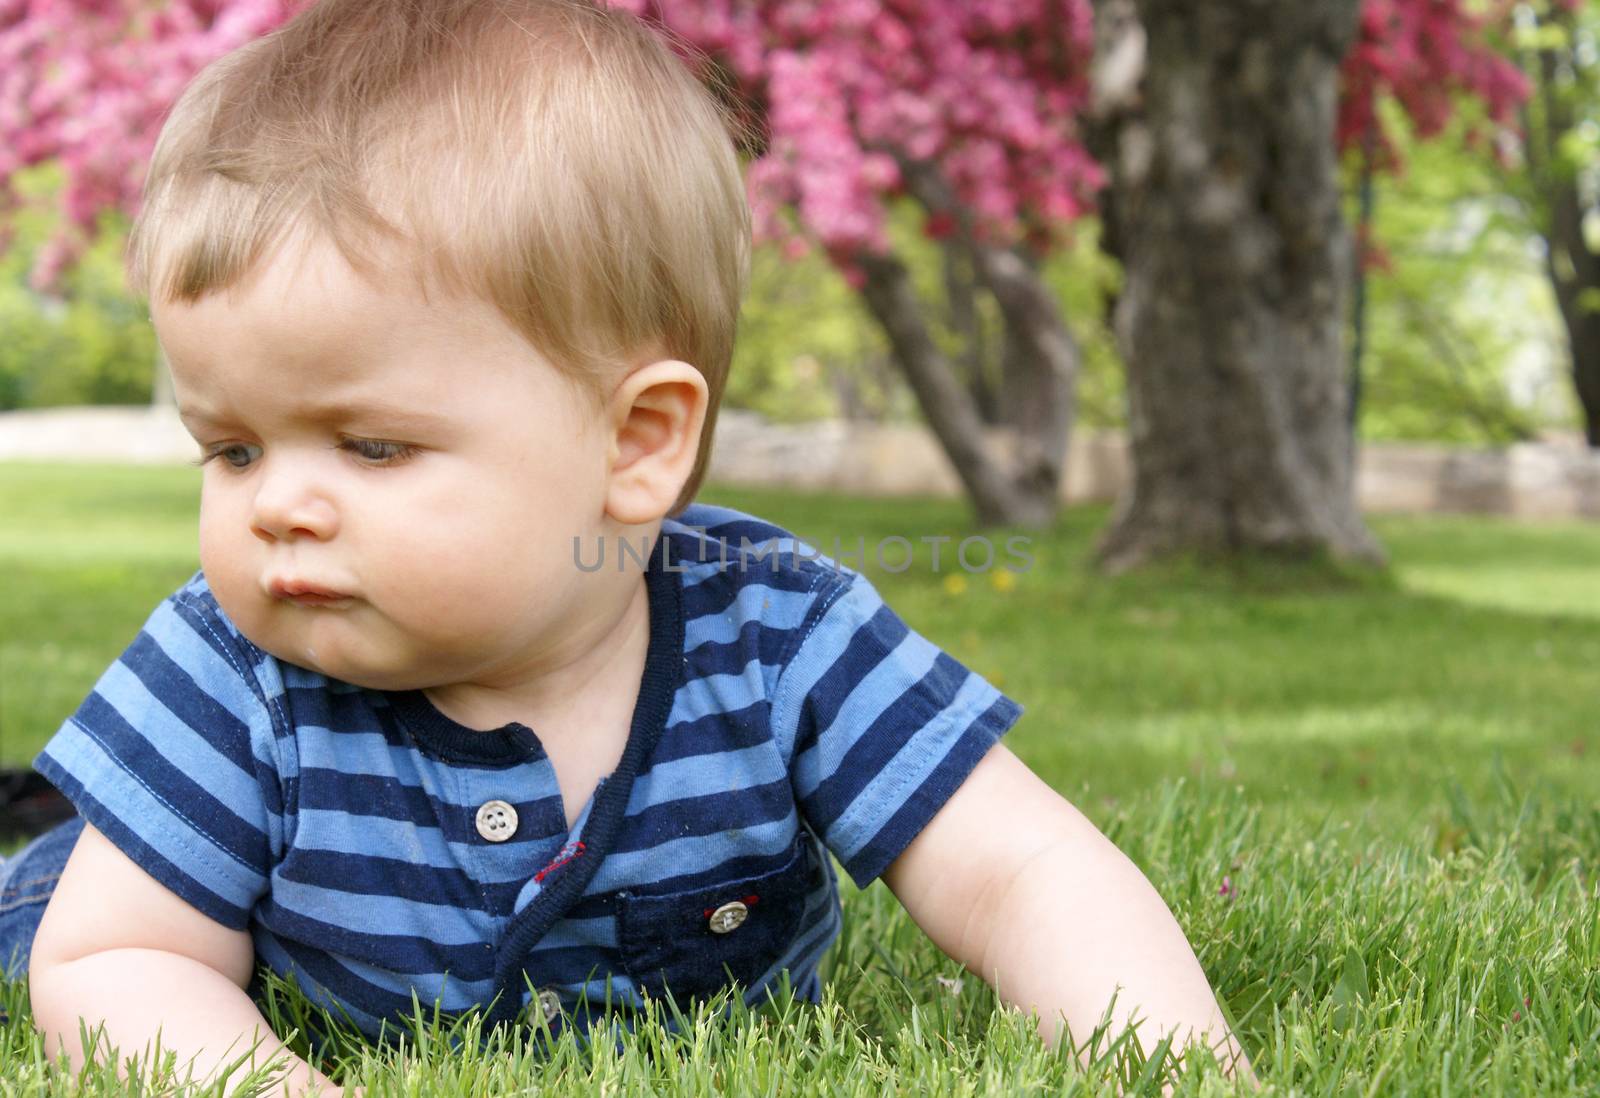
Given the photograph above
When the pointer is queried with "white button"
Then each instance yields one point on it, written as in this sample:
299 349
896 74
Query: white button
550 1003
497 821
728 917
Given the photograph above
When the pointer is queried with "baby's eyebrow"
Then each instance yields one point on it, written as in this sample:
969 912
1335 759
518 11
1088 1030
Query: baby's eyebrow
343 412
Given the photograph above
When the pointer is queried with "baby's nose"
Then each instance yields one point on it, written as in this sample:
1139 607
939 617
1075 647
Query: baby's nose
288 504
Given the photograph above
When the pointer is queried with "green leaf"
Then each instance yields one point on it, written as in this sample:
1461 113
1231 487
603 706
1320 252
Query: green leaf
1541 36
1351 989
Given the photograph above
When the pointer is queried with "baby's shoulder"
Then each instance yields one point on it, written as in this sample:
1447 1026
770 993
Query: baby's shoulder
744 574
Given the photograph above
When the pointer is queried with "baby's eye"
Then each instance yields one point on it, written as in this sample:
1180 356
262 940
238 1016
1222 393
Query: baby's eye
236 454
380 453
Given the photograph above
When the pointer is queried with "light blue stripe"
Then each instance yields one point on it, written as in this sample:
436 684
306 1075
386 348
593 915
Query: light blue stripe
623 991
775 608
692 854
700 775
599 933
454 994
380 916
717 694
331 830
173 634
179 742
814 658
152 819
496 865
352 751
904 774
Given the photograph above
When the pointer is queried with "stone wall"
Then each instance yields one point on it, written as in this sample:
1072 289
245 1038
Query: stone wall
1531 480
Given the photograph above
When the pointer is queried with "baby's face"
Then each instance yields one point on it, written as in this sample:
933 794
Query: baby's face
420 462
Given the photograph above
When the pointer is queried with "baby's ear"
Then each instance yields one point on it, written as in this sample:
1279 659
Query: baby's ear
655 416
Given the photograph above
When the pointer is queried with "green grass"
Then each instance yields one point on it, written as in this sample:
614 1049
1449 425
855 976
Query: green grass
1397 774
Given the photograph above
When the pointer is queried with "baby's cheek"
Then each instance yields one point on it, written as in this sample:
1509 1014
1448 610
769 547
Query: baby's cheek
227 564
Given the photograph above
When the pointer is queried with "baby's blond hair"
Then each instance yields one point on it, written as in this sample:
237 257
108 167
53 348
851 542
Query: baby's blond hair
551 157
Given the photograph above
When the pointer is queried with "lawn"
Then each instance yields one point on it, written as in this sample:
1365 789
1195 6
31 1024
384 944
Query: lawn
1396 775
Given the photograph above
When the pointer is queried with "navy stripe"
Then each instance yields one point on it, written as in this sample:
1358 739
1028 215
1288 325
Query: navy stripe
755 642
896 834
371 875
327 970
869 646
218 821
883 739
188 701
714 734
174 877
706 815
388 798
406 953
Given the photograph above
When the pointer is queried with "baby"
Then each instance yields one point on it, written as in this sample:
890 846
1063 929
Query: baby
469 700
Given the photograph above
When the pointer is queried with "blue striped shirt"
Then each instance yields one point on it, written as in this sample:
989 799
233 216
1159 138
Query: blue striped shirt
793 715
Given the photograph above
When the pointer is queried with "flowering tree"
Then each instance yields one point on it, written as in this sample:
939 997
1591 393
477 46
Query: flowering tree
87 82
1559 184
1427 55
1223 125
969 110
973 112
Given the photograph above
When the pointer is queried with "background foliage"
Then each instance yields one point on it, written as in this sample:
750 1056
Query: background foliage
1463 339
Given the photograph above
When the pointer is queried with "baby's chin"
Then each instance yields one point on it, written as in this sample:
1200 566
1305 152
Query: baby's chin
358 673
330 657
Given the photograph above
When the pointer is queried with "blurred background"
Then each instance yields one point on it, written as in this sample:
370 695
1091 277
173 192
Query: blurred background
1276 326
1273 326
959 205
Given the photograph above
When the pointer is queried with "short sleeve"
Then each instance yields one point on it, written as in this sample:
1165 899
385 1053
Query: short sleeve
171 756
879 725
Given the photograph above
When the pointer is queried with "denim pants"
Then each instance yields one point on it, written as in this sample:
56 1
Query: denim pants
27 878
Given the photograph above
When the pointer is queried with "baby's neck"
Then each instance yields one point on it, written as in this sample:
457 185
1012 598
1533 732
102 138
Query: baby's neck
593 683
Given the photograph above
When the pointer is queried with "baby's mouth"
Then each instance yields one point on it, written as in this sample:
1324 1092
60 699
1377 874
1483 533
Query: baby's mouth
307 594
319 600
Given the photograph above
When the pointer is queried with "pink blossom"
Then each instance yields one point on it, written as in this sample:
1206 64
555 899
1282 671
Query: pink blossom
989 90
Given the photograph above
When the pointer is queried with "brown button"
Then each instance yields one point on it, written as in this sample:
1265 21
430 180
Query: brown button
730 916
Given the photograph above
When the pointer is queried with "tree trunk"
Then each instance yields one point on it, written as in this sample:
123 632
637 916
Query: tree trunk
1585 340
1023 491
1575 274
1226 216
1573 266
1037 400
966 323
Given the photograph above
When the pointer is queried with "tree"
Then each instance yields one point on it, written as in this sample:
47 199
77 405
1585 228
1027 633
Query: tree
969 109
972 114
1222 124
1561 185
87 83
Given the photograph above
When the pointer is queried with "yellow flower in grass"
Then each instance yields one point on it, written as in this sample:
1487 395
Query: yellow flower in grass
955 584
1003 580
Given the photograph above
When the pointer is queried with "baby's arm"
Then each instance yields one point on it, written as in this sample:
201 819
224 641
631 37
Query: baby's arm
1015 883
115 945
